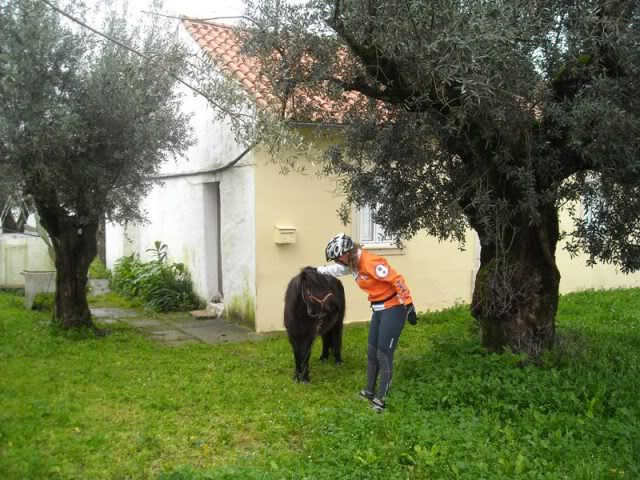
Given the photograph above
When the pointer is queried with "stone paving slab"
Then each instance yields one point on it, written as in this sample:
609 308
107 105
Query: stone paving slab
178 331
193 323
144 322
218 331
172 337
106 321
204 314
113 313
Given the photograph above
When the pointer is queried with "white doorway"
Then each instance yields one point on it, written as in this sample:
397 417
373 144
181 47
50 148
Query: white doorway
212 254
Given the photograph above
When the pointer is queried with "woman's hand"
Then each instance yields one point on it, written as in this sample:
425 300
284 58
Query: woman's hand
411 317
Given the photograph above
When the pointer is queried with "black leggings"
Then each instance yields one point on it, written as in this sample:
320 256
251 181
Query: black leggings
384 332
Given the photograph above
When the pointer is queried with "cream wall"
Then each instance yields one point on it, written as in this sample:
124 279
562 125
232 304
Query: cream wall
438 274
301 201
576 275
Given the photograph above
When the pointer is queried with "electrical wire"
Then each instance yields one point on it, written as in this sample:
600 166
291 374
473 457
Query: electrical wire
131 49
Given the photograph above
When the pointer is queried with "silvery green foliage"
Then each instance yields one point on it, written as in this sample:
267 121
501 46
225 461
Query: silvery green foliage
474 113
84 123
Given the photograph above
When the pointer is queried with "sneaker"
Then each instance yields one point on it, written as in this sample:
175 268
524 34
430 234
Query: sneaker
378 405
366 395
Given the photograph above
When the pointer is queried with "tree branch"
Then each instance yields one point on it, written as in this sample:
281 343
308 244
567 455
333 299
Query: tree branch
387 72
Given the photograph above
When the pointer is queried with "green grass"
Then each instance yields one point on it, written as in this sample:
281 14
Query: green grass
123 406
98 270
112 299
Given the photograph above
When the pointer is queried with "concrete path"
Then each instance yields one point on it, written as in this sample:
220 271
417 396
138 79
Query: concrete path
177 329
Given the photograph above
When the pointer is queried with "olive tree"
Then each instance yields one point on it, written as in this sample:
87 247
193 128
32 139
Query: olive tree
84 125
484 114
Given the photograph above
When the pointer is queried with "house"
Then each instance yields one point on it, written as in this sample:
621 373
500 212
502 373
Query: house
243 229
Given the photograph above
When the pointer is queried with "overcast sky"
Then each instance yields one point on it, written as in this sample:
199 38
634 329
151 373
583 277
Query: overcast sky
194 8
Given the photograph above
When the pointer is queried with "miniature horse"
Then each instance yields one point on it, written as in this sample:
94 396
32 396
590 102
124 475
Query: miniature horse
314 304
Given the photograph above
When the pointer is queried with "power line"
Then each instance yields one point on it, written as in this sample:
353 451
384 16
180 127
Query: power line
203 20
131 49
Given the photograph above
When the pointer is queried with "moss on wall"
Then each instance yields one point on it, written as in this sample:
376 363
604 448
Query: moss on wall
241 309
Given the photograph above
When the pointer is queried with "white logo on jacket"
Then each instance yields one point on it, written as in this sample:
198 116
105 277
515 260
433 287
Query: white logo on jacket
381 271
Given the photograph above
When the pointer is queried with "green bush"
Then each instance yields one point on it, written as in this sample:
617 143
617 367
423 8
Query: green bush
158 285
125 274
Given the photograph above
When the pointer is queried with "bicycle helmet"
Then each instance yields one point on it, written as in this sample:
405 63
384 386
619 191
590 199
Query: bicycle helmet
338 246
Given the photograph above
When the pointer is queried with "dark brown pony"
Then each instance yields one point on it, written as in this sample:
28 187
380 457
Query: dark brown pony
314 304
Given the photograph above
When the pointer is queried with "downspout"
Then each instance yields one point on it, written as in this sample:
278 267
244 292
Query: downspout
203 172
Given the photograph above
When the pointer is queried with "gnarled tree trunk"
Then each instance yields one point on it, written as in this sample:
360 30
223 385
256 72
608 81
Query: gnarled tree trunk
75 247
516 293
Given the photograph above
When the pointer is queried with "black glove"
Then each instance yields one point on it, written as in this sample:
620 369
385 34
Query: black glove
412 318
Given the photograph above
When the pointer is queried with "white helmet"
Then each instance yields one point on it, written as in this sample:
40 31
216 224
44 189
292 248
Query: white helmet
338 246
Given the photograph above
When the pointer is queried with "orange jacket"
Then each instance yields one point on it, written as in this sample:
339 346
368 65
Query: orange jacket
381 282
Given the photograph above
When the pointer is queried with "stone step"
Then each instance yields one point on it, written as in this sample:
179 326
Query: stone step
203 314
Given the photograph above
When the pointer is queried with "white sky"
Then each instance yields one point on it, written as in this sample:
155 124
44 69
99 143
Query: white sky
194 8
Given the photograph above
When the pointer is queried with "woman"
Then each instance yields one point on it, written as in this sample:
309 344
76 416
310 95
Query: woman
391 303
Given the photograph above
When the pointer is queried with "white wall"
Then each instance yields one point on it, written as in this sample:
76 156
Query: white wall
176 218
176 210
21 252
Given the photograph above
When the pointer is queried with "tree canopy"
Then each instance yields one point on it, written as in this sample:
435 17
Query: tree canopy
85 125
491 115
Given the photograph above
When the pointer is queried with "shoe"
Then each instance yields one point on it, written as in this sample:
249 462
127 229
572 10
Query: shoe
366 395
378 405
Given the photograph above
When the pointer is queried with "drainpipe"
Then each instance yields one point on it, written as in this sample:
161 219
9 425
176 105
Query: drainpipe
202 172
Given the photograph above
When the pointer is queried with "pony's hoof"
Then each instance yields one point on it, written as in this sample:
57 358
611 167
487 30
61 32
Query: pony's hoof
297 378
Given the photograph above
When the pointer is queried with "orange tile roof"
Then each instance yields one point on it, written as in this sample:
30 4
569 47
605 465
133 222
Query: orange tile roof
222 45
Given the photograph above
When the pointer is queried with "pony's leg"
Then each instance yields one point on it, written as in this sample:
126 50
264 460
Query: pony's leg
326 346
305 363
337 342
333 342
297 358
301 352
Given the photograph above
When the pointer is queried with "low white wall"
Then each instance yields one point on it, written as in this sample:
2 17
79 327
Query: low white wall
21 252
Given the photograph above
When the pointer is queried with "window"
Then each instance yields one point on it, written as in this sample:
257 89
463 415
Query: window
370 234
587 214
592 208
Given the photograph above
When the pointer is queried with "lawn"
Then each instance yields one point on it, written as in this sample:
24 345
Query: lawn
123 406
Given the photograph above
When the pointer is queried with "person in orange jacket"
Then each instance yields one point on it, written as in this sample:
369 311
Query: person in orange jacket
391 303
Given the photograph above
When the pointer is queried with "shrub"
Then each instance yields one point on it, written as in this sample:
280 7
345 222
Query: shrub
158 285
125 274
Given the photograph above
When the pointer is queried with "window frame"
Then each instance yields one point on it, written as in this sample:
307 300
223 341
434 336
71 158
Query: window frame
363 223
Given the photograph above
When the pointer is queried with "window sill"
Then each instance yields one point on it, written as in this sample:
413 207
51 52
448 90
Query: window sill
384 249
